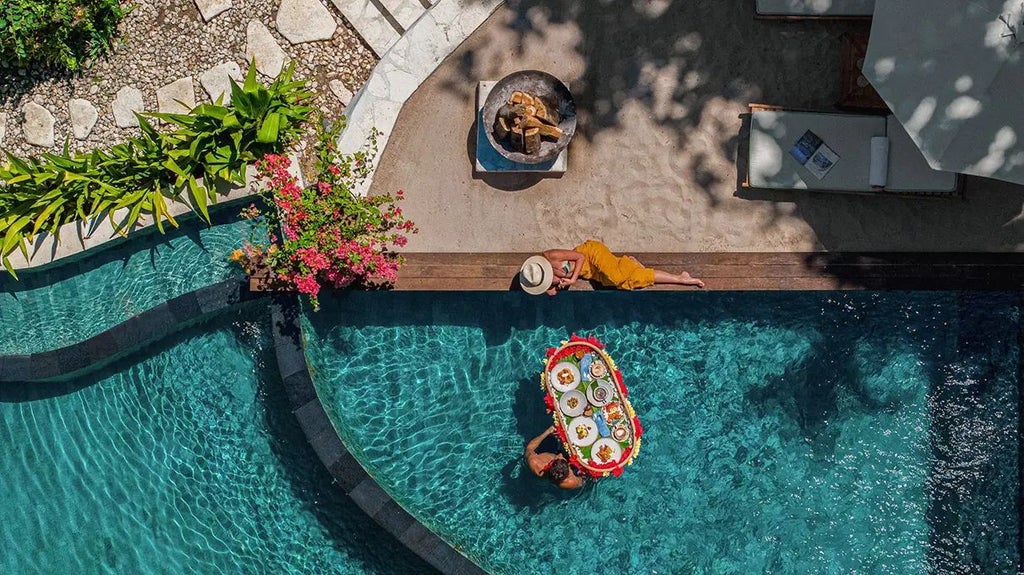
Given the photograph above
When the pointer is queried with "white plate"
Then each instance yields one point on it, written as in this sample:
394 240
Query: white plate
582 431
609 394
574 373
569 407
614 451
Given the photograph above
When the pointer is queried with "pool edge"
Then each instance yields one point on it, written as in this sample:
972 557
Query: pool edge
342 465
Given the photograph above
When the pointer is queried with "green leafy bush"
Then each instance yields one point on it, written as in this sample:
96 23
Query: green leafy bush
58 32
215 142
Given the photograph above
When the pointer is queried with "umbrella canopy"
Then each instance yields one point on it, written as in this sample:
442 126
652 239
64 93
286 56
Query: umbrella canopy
951 71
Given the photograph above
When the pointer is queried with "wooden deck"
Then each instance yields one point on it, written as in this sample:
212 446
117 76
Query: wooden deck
745 271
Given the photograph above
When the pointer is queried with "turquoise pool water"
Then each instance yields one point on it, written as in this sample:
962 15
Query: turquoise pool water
74 301
785 432
185 459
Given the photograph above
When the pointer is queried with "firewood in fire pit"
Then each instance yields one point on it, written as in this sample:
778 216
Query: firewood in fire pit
525 119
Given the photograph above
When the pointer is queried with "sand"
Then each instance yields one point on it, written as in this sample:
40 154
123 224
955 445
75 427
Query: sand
660 87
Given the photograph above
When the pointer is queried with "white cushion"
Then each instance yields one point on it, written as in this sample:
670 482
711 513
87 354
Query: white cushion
908 170
773 133
815 7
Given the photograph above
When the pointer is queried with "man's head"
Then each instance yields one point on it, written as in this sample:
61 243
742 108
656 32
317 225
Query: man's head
557 471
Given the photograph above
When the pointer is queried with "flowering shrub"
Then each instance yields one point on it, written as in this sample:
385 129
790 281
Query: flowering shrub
328 235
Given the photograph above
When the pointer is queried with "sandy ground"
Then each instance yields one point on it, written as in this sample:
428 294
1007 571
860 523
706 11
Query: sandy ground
660 86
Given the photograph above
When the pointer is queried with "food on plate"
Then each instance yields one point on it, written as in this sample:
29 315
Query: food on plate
572 402
582 431
613 413
565 376
588 411
605 453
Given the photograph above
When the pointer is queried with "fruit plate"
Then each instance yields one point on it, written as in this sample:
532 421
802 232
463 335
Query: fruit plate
583 431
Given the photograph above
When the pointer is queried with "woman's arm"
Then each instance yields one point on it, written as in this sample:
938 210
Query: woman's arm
577 265
556 257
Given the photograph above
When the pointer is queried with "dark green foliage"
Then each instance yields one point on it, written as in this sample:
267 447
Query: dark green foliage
140 176
63 33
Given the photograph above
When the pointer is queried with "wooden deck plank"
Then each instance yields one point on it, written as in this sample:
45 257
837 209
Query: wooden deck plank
746 270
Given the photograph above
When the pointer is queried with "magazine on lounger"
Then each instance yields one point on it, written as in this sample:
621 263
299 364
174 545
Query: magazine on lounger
812 153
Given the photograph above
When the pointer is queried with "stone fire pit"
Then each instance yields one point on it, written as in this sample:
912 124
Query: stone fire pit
553 96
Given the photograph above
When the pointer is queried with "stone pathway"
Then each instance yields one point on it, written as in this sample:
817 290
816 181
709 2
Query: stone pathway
380 23
412 37
298 21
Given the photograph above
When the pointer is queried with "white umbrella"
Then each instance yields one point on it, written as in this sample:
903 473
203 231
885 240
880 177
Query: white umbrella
951 71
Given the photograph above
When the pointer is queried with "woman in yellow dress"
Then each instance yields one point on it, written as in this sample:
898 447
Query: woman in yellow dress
558 269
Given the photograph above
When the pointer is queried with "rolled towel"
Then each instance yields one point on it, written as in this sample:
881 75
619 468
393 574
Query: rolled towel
879 176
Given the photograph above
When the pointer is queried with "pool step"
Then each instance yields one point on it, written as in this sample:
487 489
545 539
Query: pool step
382 22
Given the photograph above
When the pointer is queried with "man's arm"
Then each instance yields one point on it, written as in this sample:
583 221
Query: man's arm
531 447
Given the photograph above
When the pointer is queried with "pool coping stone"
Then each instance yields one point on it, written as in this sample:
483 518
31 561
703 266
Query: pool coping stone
136 332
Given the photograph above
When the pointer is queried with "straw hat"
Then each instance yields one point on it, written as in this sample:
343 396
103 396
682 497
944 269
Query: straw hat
536 274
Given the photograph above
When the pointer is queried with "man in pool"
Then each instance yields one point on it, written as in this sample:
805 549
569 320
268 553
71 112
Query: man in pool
550 465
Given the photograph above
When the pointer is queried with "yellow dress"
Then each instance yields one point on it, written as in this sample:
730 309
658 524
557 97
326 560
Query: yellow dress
604 267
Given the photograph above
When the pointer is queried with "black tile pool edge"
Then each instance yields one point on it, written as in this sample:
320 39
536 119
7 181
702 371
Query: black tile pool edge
344 468
105 347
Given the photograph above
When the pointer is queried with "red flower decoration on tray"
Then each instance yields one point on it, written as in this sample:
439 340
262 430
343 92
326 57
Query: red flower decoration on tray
622 386
549 402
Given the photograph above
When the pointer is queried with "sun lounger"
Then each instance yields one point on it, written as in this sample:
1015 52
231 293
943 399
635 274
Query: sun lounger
816 9
774 132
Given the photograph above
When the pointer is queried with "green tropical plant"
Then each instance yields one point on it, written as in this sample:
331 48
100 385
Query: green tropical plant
57 32
213 141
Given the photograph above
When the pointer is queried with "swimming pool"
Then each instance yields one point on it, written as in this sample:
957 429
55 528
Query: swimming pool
72 301
814 432
184 459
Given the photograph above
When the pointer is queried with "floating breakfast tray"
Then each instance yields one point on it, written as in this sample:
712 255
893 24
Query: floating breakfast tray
593 416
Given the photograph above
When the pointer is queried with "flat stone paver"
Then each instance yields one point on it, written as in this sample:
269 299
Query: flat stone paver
405 12
305 21
261 46
211 8
127 101
369 23
83 117
38 126
178 97
216 81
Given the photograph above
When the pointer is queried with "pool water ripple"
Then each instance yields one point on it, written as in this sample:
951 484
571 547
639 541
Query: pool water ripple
785 433
185 460
73 301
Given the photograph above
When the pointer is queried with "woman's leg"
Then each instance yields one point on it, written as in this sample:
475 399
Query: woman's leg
663 277
684 278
